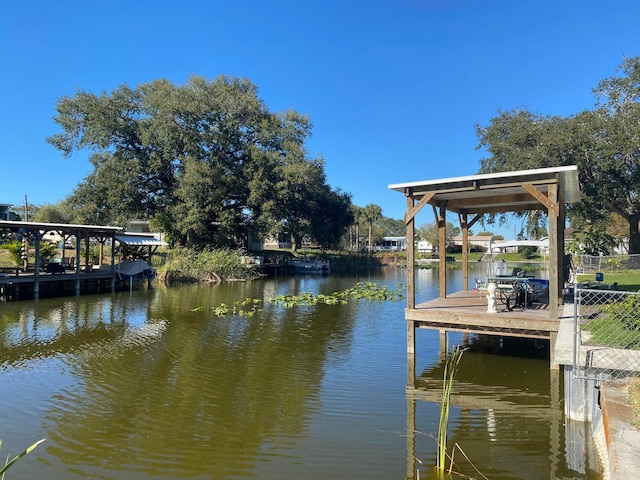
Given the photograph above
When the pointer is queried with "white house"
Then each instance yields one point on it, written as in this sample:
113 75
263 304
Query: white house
483 241
392 244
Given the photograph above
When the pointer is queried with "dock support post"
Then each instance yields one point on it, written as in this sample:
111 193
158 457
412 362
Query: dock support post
443 343
411 337
553 338
411 435
411 291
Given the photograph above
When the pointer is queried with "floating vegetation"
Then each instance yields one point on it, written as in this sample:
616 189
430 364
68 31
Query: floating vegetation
361 291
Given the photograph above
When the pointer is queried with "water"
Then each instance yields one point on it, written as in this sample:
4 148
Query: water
130 386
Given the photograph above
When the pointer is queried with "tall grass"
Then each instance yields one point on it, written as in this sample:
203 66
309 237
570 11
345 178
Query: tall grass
451 362
9 463
208 265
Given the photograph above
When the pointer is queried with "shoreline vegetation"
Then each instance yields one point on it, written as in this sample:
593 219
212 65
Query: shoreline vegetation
182 265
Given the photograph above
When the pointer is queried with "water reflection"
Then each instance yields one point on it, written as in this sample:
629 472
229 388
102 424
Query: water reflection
197 395
506 417
127 386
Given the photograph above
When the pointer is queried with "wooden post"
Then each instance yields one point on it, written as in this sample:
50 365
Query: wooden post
77 284
562 217
36 267
113 261
411 434
442 248
554 254
411 291
86 253
465 251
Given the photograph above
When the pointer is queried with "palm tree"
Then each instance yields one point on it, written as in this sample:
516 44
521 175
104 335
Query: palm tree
358 216
372 213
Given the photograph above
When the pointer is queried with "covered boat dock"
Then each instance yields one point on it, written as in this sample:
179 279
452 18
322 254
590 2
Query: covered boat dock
472 197
75 268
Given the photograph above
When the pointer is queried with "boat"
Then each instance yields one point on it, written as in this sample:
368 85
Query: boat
308 265
132 268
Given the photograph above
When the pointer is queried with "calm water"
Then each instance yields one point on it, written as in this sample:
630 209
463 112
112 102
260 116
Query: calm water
130 386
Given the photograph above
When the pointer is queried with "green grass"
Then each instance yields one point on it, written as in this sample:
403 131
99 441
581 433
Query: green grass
609 331
618 324
627 280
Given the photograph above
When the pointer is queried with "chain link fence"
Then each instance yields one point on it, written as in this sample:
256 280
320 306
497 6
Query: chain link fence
587 264
607 333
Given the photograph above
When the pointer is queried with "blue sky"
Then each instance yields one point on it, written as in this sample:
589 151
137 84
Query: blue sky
394 88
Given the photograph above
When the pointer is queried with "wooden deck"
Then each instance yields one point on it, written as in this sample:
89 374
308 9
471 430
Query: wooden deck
25 286
467 312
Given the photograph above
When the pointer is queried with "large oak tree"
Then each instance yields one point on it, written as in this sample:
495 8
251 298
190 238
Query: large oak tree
206 160
603 142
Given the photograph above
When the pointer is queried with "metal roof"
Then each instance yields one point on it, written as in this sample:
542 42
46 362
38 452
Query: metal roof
140 240
495 192
63 227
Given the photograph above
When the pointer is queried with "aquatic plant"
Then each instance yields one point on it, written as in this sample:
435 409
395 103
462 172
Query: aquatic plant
451 362
360 291
9 463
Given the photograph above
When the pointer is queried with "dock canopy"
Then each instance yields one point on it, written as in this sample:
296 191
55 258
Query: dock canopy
471 197
140 241
139 245
501 192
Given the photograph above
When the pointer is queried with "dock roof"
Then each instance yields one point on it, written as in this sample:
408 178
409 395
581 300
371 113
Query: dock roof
92 230
495 192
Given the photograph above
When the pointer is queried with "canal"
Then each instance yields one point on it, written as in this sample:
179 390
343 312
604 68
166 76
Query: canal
152 384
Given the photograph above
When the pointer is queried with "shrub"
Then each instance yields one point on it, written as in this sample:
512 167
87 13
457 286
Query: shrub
14 249
208 265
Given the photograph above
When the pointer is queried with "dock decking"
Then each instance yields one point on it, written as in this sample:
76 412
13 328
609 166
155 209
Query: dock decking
28 285
466 311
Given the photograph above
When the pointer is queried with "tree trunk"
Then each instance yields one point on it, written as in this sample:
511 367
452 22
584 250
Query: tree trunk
357 236
294 244
634 234
370 246
351 239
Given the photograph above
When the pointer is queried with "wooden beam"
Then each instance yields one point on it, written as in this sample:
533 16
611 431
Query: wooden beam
550 205
474 220
413 211
482 209
490 200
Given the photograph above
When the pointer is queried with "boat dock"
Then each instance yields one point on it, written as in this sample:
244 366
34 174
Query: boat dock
467 312
471 198
80 264
30 286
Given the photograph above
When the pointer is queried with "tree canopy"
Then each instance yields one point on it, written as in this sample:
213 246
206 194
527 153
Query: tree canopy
603 142
430 233
206 161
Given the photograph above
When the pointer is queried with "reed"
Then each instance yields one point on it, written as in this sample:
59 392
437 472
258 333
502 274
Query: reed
207 265
451 362
9 463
